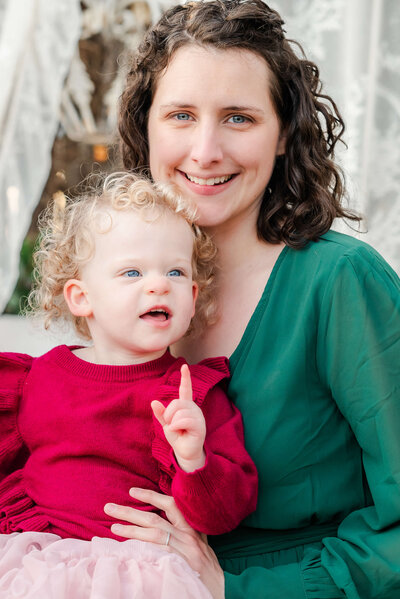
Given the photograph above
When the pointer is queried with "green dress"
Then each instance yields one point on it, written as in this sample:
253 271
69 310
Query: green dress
317 379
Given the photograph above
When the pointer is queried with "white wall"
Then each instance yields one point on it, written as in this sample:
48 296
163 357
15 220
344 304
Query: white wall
17 334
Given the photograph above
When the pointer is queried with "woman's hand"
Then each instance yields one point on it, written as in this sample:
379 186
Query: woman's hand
174 534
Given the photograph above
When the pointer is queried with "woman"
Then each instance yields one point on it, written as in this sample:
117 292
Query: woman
218 102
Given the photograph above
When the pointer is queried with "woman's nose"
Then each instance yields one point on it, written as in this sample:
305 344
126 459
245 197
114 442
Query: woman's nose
206 145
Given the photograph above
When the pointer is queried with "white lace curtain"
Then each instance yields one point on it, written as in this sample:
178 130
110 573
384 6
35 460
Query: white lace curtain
354 42
38 49
356 45
37 41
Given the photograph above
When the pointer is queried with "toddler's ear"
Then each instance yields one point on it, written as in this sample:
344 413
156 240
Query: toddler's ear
76 297
195 293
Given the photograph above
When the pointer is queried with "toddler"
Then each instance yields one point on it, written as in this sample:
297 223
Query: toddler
80 426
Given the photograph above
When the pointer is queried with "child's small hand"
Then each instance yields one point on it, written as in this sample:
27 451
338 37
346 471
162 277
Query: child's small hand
184 425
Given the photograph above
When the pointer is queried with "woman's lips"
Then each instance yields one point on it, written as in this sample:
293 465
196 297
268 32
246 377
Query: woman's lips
209 185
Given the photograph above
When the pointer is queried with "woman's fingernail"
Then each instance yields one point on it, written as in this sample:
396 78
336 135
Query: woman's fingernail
109 507
135 492
116 528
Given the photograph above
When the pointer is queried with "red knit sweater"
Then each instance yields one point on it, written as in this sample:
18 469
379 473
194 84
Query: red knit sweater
75 436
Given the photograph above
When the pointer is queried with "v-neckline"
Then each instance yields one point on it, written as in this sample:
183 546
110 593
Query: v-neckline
258 311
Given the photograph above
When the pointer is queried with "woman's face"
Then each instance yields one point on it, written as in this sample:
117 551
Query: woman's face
213 131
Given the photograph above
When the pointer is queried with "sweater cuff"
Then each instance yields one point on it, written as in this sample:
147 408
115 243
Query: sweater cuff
196 482
318 584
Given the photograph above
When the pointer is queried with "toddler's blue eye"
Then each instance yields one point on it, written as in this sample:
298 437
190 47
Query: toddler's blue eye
175 273
132 273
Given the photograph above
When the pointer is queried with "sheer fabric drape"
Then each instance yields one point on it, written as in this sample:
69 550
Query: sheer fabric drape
37 40
356 45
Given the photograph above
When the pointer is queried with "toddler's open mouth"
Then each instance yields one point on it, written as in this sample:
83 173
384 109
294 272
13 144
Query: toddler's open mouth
156 314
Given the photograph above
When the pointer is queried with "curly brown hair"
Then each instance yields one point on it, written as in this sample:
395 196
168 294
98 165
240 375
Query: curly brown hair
67 243
306 190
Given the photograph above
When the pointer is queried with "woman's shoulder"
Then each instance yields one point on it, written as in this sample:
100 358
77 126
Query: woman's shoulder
335 261
350 269
340 244
333 250
358 254
345 244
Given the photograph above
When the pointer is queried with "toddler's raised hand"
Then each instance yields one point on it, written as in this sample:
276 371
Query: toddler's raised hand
184 425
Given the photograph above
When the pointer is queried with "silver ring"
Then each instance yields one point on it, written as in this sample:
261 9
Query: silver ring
168 538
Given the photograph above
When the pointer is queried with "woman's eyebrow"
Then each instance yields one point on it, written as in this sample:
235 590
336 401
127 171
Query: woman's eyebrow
244 109
177 105
233 108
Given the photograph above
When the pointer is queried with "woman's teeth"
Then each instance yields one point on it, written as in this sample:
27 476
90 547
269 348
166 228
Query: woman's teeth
212 181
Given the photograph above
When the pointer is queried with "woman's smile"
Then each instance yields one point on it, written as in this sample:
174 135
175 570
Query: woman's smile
210 186
215 180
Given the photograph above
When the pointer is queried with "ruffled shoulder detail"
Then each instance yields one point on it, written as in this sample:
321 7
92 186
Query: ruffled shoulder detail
209 373
18 512
205 375
13 371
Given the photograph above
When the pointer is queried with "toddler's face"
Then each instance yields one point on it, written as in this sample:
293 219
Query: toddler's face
139 286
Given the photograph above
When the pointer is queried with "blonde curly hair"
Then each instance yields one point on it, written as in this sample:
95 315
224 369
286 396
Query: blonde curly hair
67 243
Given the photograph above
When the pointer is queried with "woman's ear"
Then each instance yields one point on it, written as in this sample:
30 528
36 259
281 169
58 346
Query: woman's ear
76 298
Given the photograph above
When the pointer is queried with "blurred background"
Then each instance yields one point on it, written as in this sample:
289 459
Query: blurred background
62 66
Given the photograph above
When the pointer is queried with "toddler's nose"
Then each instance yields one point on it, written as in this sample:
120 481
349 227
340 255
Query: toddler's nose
159 285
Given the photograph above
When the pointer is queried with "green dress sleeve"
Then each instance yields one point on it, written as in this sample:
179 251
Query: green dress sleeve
358 361
359 358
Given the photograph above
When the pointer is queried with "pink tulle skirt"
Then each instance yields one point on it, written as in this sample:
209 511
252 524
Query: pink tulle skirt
39 565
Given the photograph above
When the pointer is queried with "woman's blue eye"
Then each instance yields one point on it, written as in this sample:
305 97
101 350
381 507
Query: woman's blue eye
132 273
238 119
182 116
175 273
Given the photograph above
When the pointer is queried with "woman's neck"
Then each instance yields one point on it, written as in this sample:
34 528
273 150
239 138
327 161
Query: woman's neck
237 245
245 263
